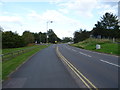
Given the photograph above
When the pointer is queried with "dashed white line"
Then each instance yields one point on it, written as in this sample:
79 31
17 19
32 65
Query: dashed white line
74 50
98 53
89 56
109 63
79 52
85 54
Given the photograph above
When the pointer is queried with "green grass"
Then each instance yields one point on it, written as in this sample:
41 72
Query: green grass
0 71
106 46
9 50
10 65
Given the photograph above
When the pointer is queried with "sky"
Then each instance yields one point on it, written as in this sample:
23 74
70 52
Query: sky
67 15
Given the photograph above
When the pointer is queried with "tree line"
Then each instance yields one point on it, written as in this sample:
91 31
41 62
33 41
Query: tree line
13 40
67 39
107 27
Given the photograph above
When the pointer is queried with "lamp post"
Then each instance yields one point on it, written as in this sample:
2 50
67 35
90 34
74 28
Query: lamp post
47 30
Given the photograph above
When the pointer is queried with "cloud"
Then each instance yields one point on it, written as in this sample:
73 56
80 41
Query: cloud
103 8
79 7
57 1
51 15
108 0
11 20
65 11
61 23
1 7
86 8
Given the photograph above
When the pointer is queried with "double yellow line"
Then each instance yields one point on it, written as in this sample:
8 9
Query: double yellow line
87 83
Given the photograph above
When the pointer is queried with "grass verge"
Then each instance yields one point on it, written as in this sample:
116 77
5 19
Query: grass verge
106 46
10 50
9 66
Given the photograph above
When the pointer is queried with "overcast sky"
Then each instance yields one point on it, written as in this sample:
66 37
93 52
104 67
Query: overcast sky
67 15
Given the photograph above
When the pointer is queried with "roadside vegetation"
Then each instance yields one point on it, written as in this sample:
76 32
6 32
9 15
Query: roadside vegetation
9 66
14 40
107 46
106 32
10 50
0 71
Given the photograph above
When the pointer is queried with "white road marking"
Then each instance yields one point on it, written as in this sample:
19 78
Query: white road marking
74 50
67 47
79 52
109 63
85 54
98 53
89 56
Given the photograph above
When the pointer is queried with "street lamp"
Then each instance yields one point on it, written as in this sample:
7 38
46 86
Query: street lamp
47 30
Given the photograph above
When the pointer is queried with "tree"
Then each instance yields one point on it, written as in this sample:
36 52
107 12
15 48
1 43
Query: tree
81 35
76 37
36 37
67 39
1 30
52 37
107 27
40 37
11 40
43 37
28 37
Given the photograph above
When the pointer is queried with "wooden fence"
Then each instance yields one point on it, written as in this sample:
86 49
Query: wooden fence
11 55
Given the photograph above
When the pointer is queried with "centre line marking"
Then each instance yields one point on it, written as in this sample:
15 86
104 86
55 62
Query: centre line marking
77 72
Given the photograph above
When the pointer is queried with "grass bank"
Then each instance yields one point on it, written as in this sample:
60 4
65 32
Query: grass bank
106 46
9 66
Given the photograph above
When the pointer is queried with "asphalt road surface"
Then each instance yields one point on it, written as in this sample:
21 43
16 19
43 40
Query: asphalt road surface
100 69
46 70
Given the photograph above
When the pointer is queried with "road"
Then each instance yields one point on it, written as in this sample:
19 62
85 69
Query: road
46 70
100 69
43 70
